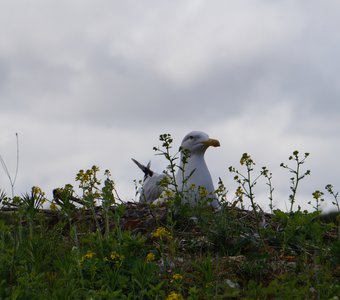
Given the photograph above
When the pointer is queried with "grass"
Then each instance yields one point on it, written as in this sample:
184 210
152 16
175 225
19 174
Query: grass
93 246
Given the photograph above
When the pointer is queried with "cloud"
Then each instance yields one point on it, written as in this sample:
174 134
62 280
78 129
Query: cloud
87 83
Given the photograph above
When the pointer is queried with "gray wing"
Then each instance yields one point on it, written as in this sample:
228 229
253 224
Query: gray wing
151 189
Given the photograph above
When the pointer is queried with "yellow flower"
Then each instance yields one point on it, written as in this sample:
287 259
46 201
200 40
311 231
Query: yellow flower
80 175
239 192
246 159
177 277
36 190
116 256
168 194
174 296
88 255
150 257
161 232
53 206
203 192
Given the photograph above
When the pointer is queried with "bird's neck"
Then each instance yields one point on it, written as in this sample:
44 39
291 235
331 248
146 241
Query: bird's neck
189 163
194 171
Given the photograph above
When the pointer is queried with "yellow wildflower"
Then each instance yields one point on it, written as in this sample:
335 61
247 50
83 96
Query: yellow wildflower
88 255
53 206
150 257
239 192
36 190
168 194
246 159
80 176
203 192
161 232
174 296
116 257
177 277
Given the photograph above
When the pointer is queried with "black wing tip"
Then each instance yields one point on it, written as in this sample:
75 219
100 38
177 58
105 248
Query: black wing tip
146 169
135 161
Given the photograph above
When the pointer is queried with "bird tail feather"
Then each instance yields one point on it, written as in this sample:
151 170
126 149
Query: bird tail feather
146 169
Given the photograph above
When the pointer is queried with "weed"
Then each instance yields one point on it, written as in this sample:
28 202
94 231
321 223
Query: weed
297 176
317 196
329 189
246 181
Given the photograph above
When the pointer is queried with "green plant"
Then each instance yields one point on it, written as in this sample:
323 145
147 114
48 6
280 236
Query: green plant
3 197
297 176
269 177
108 199
90 186
28 208
329 189
221 192
172 192
165 150
317 196
246 182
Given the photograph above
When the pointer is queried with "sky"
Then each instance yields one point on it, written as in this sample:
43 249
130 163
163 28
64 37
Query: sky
96 82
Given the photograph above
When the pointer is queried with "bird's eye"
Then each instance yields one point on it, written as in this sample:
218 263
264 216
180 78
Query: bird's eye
191 137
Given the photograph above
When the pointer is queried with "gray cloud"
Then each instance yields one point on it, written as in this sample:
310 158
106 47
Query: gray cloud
77 77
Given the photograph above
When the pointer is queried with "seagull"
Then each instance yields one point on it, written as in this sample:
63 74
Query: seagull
192 179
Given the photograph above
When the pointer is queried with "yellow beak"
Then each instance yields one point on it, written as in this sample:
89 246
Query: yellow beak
212 142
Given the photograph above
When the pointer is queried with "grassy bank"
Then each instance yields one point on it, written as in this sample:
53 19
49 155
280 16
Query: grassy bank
95 246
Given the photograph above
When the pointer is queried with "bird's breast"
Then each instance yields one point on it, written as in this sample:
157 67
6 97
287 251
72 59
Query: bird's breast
195 173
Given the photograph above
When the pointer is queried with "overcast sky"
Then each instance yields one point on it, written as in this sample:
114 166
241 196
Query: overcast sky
96 82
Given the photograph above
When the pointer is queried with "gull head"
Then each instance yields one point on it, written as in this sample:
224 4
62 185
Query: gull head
196 142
